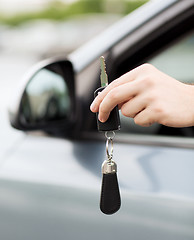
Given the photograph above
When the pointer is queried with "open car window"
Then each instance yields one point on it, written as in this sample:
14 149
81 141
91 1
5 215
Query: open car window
176 60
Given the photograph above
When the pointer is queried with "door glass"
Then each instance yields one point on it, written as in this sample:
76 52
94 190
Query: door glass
178 60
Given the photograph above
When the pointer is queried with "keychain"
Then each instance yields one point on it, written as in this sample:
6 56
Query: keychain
110 201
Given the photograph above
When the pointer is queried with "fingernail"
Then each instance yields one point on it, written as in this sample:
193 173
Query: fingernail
93 107
101 119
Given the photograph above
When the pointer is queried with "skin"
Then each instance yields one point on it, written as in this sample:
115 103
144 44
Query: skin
148 95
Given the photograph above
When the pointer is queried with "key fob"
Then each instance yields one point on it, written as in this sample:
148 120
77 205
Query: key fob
110 200
113 122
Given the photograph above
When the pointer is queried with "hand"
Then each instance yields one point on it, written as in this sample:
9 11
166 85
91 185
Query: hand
148 96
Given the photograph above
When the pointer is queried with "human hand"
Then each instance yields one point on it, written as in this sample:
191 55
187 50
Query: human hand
148 95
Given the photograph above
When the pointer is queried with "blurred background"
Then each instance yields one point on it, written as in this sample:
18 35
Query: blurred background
35 29
47 27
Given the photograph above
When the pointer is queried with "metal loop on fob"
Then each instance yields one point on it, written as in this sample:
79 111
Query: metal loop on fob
110 135
109 141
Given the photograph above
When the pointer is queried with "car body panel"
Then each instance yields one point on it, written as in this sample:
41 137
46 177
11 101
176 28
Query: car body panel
57 195
142 168
59 212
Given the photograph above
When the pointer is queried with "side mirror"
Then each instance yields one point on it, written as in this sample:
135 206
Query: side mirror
46 100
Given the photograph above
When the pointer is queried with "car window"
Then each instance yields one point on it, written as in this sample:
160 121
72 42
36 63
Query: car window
176 60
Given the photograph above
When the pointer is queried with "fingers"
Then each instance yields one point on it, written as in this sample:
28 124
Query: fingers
128 93
116 96
145 118
135 105
128 77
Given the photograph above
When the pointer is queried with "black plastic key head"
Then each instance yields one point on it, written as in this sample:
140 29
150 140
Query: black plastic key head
113 122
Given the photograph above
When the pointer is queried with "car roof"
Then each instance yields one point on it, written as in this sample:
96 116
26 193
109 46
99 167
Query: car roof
86 54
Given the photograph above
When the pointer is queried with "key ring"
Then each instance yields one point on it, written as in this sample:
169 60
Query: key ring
109 155
111 136
109 140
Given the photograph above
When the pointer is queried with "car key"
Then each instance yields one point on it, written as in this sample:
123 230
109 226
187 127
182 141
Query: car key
113 122
110 200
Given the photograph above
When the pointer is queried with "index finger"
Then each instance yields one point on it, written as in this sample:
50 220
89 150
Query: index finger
119 81
118 95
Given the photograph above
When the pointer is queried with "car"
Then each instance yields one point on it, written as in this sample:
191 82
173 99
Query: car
50 184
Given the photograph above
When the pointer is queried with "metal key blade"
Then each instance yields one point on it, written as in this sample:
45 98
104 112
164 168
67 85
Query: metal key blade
103 75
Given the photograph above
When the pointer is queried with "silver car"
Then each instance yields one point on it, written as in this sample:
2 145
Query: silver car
50 184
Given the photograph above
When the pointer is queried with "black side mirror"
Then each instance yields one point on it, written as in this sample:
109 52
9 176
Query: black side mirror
46 100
